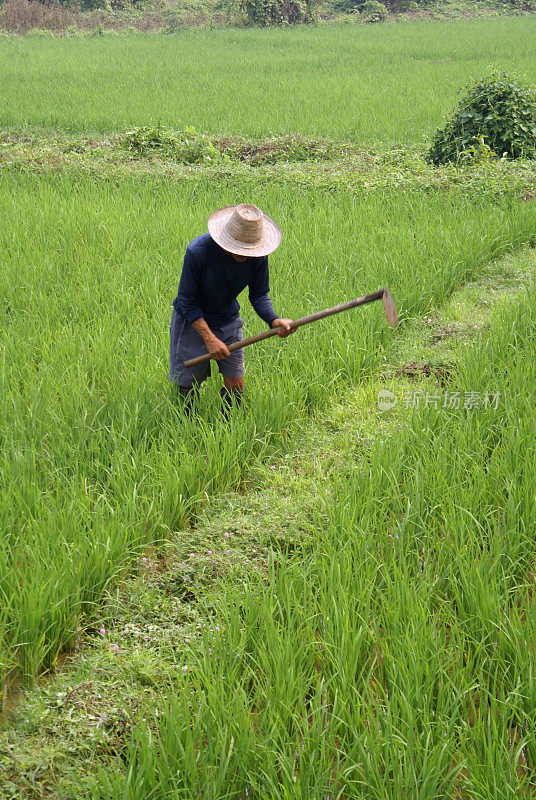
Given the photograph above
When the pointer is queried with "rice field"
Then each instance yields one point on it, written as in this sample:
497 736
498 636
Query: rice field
393 656
375 83
392 653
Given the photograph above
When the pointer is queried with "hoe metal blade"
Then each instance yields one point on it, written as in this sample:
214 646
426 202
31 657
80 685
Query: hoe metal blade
390 308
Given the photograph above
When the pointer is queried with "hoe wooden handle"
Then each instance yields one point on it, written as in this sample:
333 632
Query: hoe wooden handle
381 294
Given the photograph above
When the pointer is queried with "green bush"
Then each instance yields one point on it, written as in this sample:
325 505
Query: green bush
93 5
376 14
279 12
186 146
229 8
499 111
373 11
400 6
347 6
516 5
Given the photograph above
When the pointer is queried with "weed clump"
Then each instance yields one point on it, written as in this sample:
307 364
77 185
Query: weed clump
293 148
278 12
499 112
186 146
374 11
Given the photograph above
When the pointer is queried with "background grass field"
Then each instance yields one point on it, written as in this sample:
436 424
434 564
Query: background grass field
391 654
387 83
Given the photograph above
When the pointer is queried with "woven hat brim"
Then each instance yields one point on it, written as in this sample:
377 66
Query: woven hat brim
270 240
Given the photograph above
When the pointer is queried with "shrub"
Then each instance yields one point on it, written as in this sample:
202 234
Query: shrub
499 111
373 11
278 12
186 146
400 6
21 16
479 153
395 6
229 8
92 5
347 6
516 5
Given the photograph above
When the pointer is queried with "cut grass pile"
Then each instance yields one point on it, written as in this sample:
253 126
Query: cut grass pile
96 459
376 83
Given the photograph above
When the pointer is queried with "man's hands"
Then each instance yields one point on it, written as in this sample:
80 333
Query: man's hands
285 325
216 348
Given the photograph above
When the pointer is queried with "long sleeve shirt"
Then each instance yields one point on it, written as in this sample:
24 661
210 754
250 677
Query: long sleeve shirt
211 280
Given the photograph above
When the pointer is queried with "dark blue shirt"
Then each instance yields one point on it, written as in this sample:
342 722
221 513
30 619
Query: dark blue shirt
211 280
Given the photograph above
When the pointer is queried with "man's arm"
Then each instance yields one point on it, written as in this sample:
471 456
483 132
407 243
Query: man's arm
188 294
259 297
188 298
215 347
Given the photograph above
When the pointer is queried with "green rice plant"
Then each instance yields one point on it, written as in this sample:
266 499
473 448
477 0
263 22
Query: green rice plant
112 84
6 650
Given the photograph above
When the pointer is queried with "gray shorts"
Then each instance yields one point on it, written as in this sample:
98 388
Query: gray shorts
186 343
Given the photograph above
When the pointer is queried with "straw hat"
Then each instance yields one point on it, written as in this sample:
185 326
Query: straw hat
244 230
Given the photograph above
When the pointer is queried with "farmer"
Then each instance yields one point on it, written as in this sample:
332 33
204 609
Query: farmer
218 265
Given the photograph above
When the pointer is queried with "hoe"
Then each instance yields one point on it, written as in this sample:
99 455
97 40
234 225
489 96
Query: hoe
381 294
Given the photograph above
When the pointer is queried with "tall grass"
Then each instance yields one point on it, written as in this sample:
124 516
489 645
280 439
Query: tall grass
96 459
394 656
391 83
